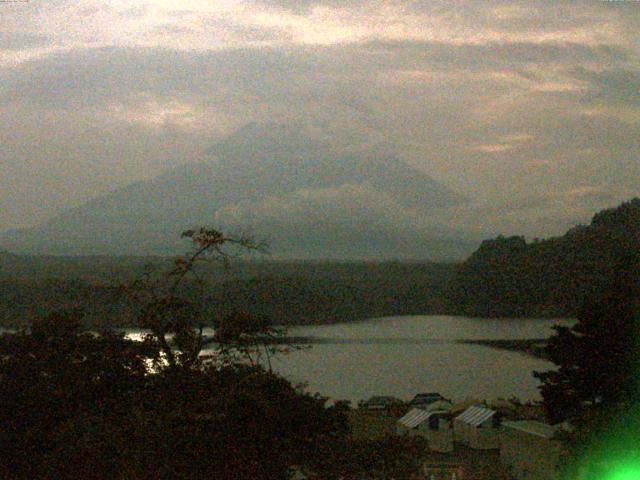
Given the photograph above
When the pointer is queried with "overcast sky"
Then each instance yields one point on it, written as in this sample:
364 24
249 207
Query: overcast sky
530 109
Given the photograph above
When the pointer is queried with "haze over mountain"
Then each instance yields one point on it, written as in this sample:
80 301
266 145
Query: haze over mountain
285 183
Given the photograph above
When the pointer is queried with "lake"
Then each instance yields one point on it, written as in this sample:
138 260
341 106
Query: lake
401 356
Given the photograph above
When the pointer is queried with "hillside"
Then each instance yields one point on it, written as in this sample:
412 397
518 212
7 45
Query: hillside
505 277
287 292
508 277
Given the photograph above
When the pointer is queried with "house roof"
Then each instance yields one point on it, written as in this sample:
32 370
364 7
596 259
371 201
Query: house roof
475 415
532 427
417 416
414 417
426 397
382 400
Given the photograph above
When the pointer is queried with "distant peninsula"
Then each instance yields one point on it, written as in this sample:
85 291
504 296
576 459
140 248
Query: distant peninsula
509 277
504 277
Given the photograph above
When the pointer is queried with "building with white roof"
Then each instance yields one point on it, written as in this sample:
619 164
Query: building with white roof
477 427
412 420
434 426
530 450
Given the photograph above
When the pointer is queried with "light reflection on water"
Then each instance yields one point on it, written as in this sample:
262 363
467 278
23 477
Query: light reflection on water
401 356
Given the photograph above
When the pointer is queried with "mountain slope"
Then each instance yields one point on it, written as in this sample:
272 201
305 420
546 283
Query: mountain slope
276 182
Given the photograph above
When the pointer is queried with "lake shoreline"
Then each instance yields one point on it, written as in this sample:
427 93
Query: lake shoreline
533 347
456 356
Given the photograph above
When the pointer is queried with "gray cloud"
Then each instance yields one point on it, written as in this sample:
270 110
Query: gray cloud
304 7
492 55
616 86
87 77
525 104
20 40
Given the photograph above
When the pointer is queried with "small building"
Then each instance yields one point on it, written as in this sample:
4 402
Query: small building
424 399
443 471
461 406
380 403
478 428
433 426
439 405
530 450
413 423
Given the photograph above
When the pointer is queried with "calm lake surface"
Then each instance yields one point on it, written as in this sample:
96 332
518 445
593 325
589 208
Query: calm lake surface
401 356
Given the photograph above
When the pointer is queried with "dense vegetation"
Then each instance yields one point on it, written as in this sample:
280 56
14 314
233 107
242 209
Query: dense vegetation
508 277
80 404
595 384
286 292
96 405
505 277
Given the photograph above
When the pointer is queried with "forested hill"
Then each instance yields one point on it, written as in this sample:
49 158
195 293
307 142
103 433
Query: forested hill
505 277
508 277
286 292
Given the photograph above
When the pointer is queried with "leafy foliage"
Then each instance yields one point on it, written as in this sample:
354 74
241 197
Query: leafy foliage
81 405
598 358
55 382
596 386
286 292
78 405
389 456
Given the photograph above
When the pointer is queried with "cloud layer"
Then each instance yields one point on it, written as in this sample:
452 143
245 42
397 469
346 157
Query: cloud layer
531 109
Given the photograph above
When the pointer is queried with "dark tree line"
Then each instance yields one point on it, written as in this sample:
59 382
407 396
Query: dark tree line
288 293
76 405
79 404
508 277
595 389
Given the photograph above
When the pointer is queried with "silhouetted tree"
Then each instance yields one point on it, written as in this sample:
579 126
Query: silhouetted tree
86 405
167 304
58 385
77 405
598 360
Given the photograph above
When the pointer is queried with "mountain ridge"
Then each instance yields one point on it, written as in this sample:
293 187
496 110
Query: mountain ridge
271 180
